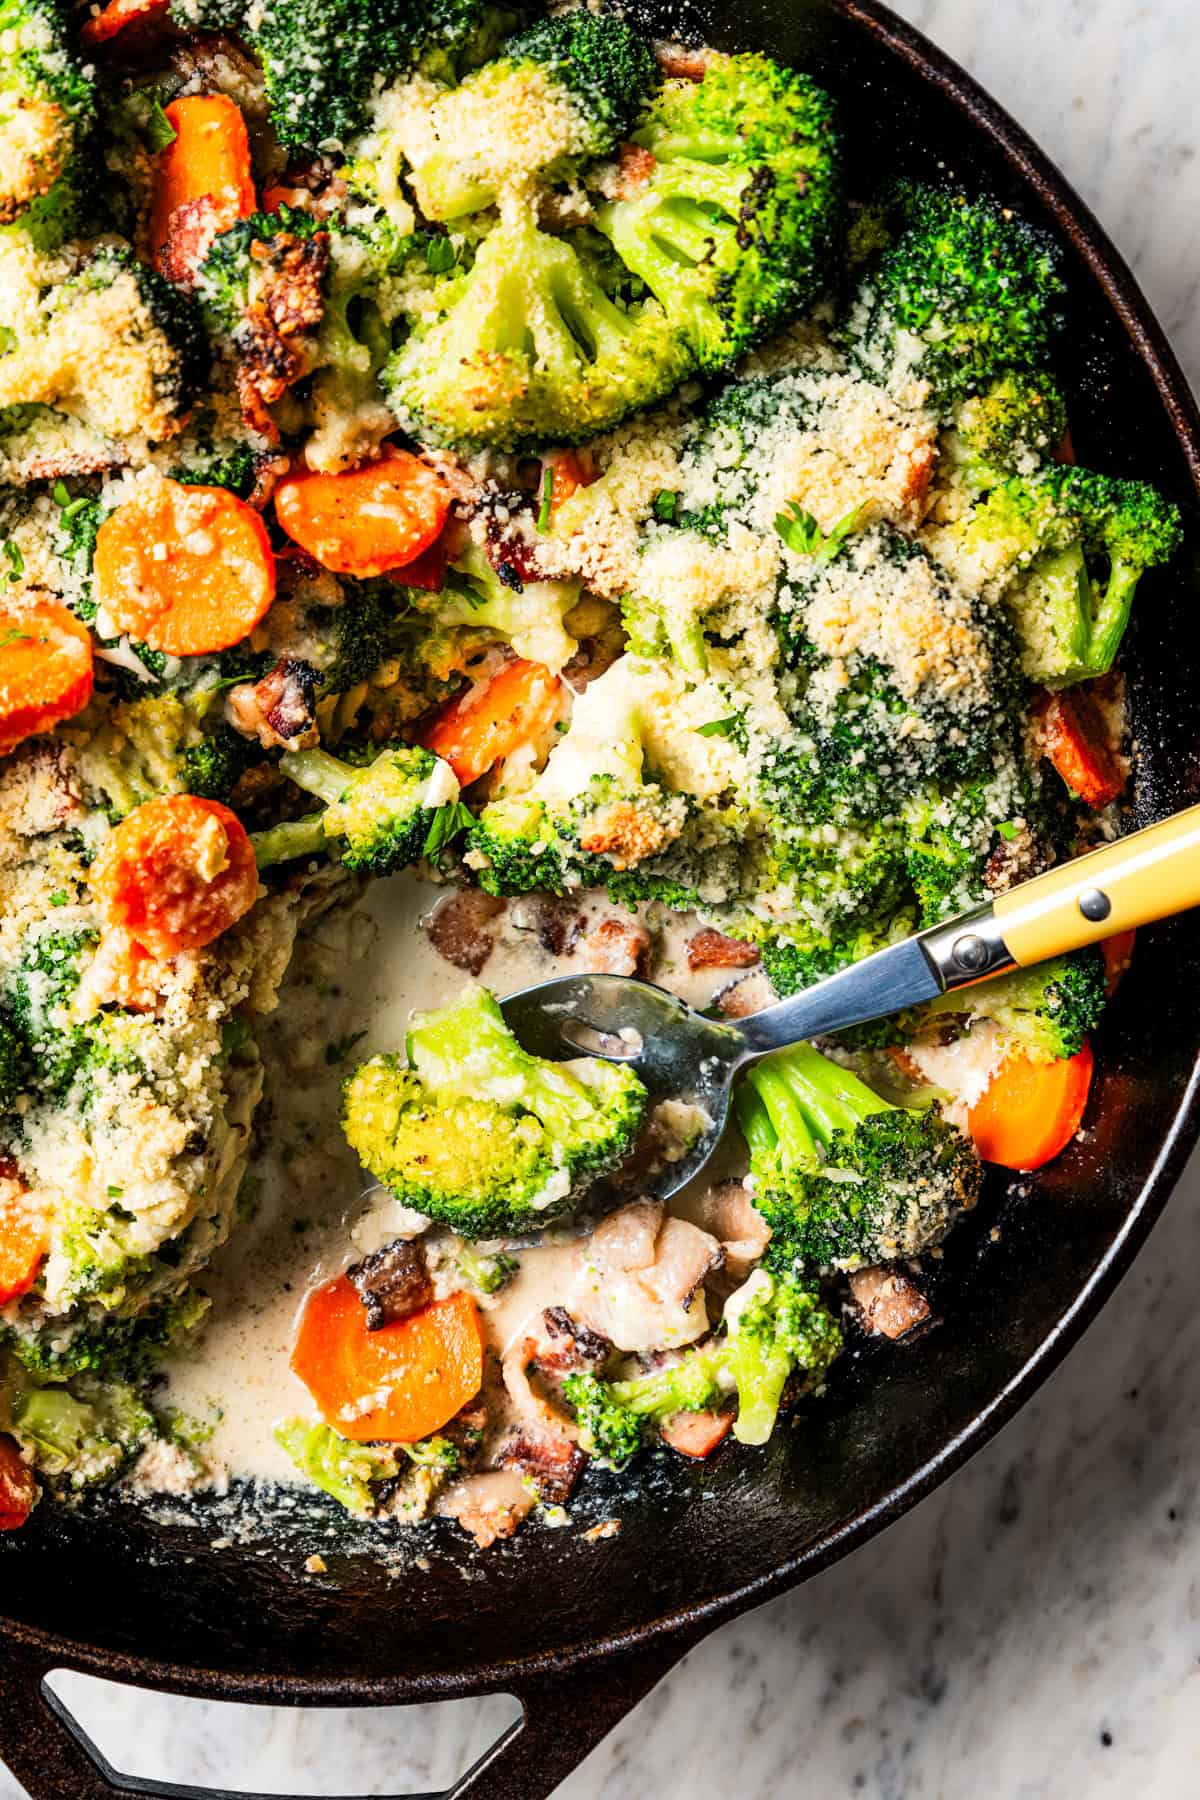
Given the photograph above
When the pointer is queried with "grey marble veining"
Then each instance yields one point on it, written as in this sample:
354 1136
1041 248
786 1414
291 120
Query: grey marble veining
1032 1631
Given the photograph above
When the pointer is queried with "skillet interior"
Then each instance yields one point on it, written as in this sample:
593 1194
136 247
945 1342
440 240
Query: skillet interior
699 1543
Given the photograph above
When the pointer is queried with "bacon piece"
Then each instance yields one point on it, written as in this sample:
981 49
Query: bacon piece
278 710
556 923
565 1344
890 1302
709 949
696 1434
18 1489
1075 735
286 307
489 1506
617 947
191 229
552 1464
458 928
392 1282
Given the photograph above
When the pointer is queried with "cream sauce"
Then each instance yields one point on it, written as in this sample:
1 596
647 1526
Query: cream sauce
315 1210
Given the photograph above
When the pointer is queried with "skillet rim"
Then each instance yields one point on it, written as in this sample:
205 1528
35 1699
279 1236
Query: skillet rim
668 1637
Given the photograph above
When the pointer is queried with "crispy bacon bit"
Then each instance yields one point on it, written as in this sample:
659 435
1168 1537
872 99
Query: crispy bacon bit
681 63
458 928
287 306
696 1434
635 166
555 922
617 947
191 230
312 185
565 1344
531 1406
890 1302
709 949
392 1282
729 1213
278 710
552 1464
510 543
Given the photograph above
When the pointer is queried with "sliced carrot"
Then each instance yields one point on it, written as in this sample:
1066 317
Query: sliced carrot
18 1489
1076 741
365 521
1118 954
175 873
1030 1111
45 671
494 718
398 1383
571 470
208 157
188 570
117 16
24 1242
696 1434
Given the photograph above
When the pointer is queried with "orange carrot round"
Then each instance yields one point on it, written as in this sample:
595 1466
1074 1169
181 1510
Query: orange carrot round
18 1489
1030 1110
176 873
45 671
188 570
117 16
24 1242
397 1384
209 157
494 718
365 521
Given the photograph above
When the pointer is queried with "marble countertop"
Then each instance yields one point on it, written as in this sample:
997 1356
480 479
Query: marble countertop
1033 1629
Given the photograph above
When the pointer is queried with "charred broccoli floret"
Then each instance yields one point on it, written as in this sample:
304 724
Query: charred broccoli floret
775 1328
735 225
379 817
477 1133
1065 550
565 90
533 344
842 1177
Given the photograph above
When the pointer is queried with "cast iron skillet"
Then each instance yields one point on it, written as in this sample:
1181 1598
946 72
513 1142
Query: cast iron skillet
580 1630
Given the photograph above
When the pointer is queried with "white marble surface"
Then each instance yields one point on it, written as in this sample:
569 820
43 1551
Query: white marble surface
1033 1630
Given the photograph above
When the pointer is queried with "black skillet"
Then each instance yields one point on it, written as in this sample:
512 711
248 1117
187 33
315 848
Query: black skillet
580 1630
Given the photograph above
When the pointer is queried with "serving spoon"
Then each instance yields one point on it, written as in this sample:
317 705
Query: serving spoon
682 1055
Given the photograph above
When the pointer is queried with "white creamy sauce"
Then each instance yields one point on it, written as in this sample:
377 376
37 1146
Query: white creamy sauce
317 1211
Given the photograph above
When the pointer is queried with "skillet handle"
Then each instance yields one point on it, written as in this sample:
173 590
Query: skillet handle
565 1714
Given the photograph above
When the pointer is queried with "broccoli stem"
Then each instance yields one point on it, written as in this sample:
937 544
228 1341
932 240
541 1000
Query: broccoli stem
293 839
320 774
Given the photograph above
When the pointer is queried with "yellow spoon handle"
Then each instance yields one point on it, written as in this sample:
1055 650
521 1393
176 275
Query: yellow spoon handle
1137 879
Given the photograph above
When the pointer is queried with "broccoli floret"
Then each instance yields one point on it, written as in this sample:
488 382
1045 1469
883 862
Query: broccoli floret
477 1133
842 1177
1065 551
964 293
160 743
775 1328
323 61
12 1064
128 1348
488 1274
360 635
261 290
533 344
594 811
84 1434
529 614
1046 1011
379 816
350 1472
39 990
567 89
48 102
736 225
236 469
123 318
1009 429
